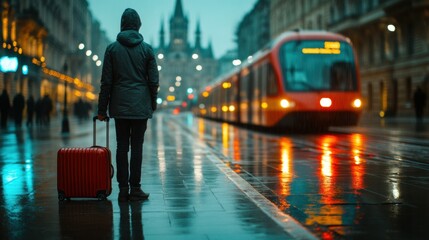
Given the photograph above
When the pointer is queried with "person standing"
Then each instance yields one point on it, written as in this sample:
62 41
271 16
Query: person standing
129 86
419 103
18 108
4 108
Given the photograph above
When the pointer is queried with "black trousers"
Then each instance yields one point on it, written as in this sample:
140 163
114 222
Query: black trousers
129 132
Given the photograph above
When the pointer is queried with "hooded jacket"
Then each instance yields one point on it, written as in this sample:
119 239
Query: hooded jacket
129 80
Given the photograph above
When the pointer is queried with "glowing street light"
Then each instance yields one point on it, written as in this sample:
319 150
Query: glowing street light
391 28
88 53
160 56
199 67
195 56
236 62
81 46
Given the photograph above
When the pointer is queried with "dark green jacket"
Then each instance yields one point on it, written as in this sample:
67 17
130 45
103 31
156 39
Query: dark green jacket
129 80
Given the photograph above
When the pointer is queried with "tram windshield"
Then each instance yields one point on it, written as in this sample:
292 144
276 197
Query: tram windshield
317 65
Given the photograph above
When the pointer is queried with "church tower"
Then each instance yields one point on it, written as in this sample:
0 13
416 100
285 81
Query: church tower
183 67
178 29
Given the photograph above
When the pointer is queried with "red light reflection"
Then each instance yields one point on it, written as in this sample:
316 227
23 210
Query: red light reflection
358 166
329 213
287 172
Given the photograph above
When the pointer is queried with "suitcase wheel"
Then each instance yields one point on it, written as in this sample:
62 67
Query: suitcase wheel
101 196
61 196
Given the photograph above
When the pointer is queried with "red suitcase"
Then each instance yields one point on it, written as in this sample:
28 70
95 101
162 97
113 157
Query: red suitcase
85 172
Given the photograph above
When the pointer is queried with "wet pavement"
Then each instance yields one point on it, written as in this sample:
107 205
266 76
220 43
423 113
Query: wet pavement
365 182
192 195
211 180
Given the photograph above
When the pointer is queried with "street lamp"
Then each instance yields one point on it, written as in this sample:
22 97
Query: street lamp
236 62
65 124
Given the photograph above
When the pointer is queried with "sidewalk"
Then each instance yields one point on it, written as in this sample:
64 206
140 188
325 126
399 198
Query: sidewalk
395 126
193 194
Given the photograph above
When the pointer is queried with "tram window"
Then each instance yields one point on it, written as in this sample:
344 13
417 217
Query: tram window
341 76
316 65
243 90
271 81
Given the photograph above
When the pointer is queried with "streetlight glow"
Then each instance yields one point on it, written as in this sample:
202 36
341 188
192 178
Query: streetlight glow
81 46
199 67
195 56
236 62
95 58
160 56
391 27
88 53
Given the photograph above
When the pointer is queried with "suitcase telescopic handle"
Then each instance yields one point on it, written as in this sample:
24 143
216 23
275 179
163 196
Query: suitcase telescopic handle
94 119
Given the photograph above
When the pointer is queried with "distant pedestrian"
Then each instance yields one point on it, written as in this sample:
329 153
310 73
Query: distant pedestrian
30 111
47 107
4 108
38 108
129 85
419 103
18 108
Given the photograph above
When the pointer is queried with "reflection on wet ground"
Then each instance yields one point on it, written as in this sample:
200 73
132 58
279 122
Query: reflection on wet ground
339 185
190 197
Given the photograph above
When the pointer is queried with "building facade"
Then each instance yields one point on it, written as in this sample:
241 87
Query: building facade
183 68
44 36
253 32
391 41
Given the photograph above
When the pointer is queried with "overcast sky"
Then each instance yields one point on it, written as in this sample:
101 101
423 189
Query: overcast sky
218 18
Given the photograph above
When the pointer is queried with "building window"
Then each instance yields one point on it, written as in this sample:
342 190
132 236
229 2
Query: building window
319 22
383 97
310 25
408 89
371 50
370 97
382 47
410 38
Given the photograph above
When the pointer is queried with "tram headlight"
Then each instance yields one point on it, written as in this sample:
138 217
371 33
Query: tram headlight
325 102
284 103
357 103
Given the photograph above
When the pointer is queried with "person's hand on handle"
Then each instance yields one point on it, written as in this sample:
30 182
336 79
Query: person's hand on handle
101 117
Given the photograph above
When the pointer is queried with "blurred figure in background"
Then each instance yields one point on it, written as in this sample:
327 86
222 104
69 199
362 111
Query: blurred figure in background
419 103
46 110
30 111
18 108
4 108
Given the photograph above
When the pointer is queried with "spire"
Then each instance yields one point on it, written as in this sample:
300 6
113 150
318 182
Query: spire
179 28
210 50
178 11
198 36
162 35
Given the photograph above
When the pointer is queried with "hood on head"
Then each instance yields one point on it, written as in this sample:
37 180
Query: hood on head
130 20
129 38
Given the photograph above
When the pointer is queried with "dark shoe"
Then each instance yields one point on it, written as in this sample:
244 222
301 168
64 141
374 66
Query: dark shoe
137 194
123 195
